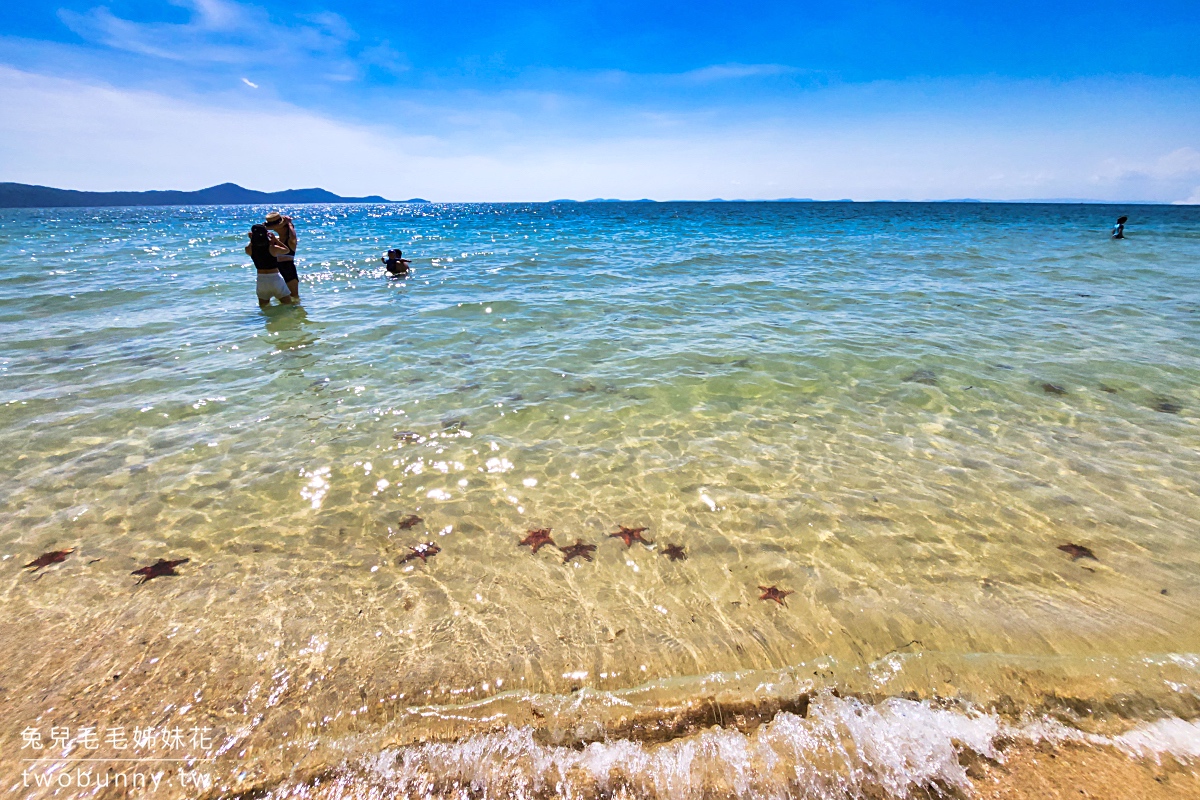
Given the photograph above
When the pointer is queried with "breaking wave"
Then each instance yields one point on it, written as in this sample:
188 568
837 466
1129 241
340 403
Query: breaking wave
841 748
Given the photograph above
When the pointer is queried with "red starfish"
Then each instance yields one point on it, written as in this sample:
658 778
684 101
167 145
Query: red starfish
630 535
675 552
775 593
46 559
537 539
159 569
578 549
421 551
1077 551
411 521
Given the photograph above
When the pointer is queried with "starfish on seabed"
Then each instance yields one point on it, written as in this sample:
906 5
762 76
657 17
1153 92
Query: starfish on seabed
675 552
46 559
537 539
577 550
159 569
775 593
411 521
1077 551
630 535
424 552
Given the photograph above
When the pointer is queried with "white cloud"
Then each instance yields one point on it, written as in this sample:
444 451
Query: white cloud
1181 163
721 72
84 135
1174 175
219 32
78 135
248 82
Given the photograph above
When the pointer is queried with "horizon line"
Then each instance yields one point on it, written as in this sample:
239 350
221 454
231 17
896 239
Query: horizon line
376 199
789 200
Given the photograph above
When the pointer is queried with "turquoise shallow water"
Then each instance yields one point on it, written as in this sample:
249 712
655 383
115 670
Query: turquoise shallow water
846 401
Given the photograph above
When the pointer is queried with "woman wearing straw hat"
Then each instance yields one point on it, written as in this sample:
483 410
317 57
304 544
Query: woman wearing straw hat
283 227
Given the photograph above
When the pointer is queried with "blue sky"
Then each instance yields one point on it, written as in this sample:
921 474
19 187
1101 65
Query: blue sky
669 100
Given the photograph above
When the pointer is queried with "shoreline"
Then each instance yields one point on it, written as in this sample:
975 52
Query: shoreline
970 756
1028 772
781 734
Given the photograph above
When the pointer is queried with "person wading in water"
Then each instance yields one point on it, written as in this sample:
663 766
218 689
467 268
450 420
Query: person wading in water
282 227
263 250
396 263
1119 228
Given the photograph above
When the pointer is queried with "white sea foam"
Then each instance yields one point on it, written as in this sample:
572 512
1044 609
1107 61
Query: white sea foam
843 748
1177 738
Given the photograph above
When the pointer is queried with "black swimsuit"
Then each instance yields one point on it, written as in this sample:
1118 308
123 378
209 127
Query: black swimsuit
287 267
262 258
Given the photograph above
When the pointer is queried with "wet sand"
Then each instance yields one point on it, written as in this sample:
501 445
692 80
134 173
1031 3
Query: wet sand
1070 772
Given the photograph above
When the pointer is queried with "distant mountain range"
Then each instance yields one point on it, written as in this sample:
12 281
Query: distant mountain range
22 195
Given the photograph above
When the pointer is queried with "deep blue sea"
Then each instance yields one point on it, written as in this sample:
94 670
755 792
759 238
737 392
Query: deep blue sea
895 416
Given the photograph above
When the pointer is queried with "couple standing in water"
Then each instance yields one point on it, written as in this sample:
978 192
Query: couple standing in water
272 248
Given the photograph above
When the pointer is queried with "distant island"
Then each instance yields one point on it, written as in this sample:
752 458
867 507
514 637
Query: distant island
22 195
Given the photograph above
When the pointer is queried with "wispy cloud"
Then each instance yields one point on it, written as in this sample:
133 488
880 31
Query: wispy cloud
238 35
725 72
125 139
1175 174
221 32
386 57
534 100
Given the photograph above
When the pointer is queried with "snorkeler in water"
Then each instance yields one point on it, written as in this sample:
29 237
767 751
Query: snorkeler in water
1118 231
396 263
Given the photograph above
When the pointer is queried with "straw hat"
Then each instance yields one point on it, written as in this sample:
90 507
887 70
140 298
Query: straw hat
274 218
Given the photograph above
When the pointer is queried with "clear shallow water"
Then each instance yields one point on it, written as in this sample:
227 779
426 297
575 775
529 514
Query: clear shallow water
845 401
